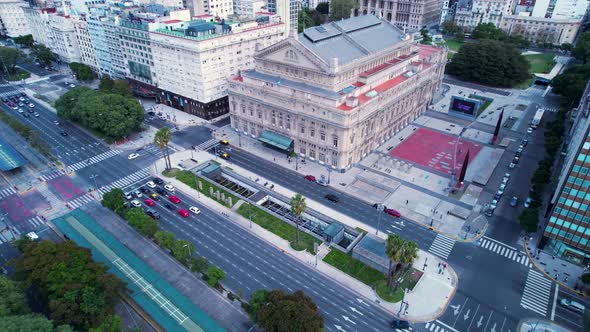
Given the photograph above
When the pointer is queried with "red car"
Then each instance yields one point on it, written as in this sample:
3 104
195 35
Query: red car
174 199
183 212
392 212
11 104
310 178
149 202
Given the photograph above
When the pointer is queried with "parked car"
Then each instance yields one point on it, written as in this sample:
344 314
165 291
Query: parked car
322 182
183 213
194 209
310 178
393 212
518 154
174 199
515 160
135 203
573 305
332 198
514 201
149 202
512 165
529 130
55 122
498 194
524 142
527 202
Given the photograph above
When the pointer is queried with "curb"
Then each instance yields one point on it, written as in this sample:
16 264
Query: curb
526 249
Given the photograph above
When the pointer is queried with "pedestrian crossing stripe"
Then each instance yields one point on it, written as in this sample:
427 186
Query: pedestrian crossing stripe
7 192
52 175
82 200
505 250
438 326
93 160
207 145
126 181
537 292
442 246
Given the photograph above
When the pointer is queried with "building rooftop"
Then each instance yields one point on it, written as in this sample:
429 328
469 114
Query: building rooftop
373 245
351 39
9 157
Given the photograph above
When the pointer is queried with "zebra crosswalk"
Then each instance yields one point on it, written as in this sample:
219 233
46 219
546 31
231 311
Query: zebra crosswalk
438 326
7 192
442 246
207 145
94 160
505 250
537 292
128 180
82 200
52 175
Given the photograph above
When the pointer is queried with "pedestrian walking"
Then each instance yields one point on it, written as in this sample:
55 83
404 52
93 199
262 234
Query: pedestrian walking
407 201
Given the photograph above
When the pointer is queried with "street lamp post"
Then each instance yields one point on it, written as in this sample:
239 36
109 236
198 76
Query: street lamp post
379 213
329 171
250 213
188 250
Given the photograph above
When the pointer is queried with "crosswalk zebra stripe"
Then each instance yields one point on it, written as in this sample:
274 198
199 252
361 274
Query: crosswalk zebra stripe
94 159
536 293
442 246
52 175
7 192
125 181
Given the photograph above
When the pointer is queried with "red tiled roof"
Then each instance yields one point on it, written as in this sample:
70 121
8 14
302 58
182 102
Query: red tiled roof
426 50
379 89
375 70
238 78
265 13
203 16
172 21
358 84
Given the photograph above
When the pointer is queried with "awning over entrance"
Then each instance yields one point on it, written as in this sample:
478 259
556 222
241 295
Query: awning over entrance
277 140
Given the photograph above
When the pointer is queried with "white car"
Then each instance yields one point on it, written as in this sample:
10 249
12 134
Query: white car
133 156
128 196
31 105
151 184
194 209
529 131
72 85
135 203
169 188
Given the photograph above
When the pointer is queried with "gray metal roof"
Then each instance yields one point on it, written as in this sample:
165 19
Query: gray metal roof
350 39
292 84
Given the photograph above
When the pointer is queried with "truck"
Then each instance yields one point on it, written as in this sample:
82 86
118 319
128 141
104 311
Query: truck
537 118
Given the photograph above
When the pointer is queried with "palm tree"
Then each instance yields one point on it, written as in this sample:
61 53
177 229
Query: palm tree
298 205
409 253
394 248
161 139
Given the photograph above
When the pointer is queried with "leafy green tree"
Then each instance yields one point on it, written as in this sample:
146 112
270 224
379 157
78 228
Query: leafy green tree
257 300
24 40
323 8
426 39
487 31
161 139
582 49
449 28
13 300
43 54
215 275
31 322
341 9
571 82
182 249
586 278
77 291
82 71
289 313
144 224
394 250
121 87
567 47
499 64
110 324
304 20
106 83
115 200
164 239
298 206
8 59
529 219
199 264
22 243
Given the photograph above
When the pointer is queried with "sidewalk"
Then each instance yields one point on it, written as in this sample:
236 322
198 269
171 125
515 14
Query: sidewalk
371 185
540 325
559 270
427 301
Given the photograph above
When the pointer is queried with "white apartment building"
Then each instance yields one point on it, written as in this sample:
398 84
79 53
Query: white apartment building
337 91
193 59
13 22
408 15
248 8
37 19
217 8
470 13
61 38
87 51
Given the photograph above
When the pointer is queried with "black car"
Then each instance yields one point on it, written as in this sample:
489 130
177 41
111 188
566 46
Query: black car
332 198
158 181
4 100
144 190
26 115
63 133
161 191
400 324
169 207
153 213
525 142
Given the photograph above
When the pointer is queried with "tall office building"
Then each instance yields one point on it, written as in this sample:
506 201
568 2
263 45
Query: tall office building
567 232
287 9
13 22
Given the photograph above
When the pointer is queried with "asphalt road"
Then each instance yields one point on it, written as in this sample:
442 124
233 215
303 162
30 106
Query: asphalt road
252 264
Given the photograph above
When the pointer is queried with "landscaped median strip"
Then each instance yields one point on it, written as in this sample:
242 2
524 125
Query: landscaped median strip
204 188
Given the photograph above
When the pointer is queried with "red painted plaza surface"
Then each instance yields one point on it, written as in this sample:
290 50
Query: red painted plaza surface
434 150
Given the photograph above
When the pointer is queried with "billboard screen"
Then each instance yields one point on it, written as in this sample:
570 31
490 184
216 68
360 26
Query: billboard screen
464 106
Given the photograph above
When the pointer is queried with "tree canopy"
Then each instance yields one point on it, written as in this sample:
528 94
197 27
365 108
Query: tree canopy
82 71
498 64
277 311
115 200
13 300
8 58
582 49
143 223
323 8
340 9
24 40
570 84
113 115
43 54
489 31
74 289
